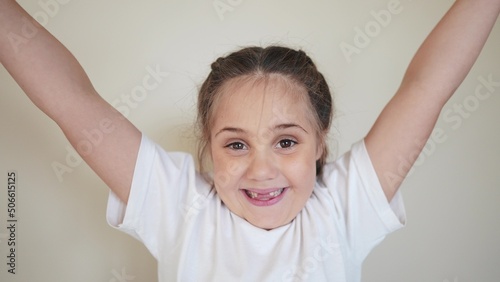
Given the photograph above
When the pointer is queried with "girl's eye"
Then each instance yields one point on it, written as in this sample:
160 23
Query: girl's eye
236 146
286 143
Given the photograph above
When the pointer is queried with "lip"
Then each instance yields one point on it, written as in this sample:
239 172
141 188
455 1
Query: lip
261 203
262 191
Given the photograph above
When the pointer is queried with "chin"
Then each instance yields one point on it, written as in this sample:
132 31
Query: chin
268 224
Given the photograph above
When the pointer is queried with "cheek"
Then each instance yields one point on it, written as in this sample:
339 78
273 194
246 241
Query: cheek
303 171
227 171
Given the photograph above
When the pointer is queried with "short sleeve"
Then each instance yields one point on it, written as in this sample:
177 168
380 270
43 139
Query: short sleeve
363 215
164 187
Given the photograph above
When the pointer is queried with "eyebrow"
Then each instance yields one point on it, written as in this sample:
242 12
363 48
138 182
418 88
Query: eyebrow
277 127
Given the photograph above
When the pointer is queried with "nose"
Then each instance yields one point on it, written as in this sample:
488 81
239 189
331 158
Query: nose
262 166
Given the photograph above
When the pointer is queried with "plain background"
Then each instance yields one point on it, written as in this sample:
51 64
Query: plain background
452 197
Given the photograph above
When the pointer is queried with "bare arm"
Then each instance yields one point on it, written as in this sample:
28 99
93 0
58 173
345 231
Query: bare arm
56 83
436 71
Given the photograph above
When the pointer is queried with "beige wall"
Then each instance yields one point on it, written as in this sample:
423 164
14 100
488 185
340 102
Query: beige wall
451 198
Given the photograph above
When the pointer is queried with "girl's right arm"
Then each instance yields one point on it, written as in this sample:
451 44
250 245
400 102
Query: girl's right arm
56 83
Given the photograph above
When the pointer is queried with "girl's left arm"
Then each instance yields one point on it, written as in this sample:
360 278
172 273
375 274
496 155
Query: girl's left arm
435 72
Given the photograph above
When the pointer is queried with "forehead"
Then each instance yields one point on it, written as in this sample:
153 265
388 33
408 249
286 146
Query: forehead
262 101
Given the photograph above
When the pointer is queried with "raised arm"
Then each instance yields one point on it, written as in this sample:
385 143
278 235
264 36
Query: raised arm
436 71
56 83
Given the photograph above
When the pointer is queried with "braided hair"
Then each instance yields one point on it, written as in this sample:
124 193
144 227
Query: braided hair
292 64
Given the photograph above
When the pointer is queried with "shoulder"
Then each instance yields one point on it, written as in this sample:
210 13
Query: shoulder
350 178
352 161
151 153
163 170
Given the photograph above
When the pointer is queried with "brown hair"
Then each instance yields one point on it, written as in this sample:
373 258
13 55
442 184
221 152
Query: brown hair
292 64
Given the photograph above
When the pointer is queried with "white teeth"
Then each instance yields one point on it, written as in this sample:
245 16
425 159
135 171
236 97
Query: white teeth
273 194
276 193
252 195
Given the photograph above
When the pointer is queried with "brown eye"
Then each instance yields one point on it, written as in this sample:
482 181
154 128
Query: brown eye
286 143
236 146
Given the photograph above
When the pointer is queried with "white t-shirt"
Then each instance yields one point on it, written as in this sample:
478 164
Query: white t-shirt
194 237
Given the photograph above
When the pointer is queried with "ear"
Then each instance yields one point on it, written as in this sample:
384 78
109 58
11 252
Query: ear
205 157
208 151
320 149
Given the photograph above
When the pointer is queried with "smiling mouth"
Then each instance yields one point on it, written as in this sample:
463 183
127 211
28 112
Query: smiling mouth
264 197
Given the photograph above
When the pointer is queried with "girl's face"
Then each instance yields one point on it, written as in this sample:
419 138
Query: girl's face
264 150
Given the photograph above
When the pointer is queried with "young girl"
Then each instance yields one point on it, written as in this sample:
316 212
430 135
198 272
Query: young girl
271 208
